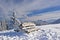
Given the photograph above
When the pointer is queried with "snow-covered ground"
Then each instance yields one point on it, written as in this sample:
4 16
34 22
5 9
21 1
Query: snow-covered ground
46 32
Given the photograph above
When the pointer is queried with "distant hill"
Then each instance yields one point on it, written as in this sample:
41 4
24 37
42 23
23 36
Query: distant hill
56 21
40 22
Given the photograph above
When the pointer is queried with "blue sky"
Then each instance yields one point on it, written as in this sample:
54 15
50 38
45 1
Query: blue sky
31 9
42 11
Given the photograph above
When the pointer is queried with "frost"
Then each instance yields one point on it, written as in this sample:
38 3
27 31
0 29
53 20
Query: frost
43 34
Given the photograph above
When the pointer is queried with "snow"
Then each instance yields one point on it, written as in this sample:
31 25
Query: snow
46 32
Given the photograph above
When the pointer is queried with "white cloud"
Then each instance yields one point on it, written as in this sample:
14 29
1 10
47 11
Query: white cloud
45 16
23 8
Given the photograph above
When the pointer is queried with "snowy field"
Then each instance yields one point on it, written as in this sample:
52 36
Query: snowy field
46 32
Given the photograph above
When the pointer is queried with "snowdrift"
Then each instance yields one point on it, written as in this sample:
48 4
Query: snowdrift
47 32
